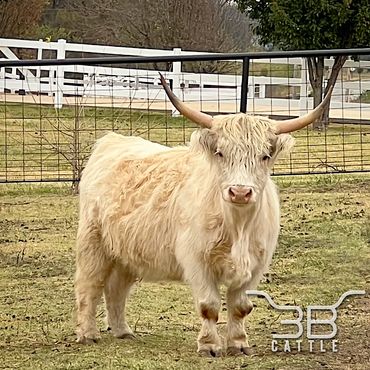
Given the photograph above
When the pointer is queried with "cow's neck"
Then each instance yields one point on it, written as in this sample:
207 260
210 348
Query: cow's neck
238 219
239 223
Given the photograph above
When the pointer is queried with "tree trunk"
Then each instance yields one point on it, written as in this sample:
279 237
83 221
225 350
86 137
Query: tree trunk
337 67
317 95
316 74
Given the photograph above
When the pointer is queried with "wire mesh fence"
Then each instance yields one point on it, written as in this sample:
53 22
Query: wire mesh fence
51 115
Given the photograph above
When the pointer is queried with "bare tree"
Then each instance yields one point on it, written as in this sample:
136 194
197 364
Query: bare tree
65 141
17 19
202 25
199 25
74 151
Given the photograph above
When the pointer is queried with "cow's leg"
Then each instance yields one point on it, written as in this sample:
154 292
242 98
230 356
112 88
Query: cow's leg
238 307
116 291
208 303
92 269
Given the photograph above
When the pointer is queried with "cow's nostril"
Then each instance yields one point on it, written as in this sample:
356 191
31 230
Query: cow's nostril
231 192
248 192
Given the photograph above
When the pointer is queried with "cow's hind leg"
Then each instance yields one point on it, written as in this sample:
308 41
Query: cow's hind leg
238 307
116 291
92 269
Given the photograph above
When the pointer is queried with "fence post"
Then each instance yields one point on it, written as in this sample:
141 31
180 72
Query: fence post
39 57
176 72
59 83
2 80
244 90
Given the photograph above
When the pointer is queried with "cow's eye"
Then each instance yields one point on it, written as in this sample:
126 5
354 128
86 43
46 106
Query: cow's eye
218 153
266 158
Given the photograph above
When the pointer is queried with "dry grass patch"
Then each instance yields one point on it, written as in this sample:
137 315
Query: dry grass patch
323 252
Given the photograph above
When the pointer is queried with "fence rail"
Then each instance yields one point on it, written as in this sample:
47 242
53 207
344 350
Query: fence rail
51 111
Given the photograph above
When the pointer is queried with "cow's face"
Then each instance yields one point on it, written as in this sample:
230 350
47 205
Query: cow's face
242 150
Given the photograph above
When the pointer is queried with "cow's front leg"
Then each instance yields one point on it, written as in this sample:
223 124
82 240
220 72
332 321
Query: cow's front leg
238 307
208 303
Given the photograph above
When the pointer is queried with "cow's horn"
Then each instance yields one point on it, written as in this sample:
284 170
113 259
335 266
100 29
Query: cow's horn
202 119
295 124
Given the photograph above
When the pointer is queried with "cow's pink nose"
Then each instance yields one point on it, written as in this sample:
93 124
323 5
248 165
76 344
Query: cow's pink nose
240 194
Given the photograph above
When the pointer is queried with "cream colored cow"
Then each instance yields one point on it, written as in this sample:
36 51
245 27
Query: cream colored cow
207 214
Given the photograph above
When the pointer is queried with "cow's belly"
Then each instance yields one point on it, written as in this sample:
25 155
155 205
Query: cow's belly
158 274
143 243
146 264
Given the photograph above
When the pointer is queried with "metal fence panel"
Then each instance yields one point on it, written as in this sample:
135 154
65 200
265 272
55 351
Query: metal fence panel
51 115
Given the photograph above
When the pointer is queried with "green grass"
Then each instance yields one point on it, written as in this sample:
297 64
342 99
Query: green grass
255 69
364 98
274 70
323 251
40 142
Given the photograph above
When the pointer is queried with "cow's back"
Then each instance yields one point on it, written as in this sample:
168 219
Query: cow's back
112 149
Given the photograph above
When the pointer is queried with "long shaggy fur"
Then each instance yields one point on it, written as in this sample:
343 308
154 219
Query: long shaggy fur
156 213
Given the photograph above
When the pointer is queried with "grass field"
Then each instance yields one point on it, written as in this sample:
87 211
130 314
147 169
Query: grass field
323 252
39 142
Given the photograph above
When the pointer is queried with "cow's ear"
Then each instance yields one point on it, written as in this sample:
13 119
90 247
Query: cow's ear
205 140
282 144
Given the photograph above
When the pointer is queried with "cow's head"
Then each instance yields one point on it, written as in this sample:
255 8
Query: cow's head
243 148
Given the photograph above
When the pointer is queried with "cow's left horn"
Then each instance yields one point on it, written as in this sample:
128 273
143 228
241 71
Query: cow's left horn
202 119
295 124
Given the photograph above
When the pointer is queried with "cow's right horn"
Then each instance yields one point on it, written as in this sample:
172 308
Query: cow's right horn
295 124
200 118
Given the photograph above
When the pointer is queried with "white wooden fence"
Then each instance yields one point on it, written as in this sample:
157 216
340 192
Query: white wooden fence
215 91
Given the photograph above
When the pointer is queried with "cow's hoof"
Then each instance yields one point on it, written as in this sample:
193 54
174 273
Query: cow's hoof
88 340
210 352
239 351
122 333
128 336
